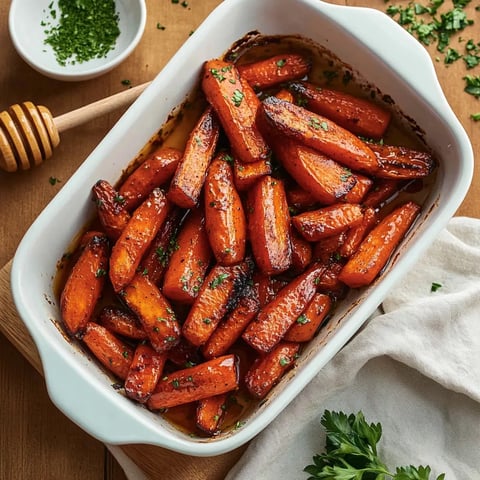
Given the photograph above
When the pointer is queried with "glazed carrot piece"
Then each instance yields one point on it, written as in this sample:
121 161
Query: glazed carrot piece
84 284
189 261
267 370
277 69
402 162
285 94
274 319
156 258
225 220
266 287
308 323
360 189
301 252
210 413
217 294
115 355
268 222
154 312
323 178
211 378
144 373
111 209
230 330
246 174
329 282
184 354
187 183
320 133
136 237
358 115
355 235
327 249
155 171
375 250
121 322
299 199
236 105
381 191
327 221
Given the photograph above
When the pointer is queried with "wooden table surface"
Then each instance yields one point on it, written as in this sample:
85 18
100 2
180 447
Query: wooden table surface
36 440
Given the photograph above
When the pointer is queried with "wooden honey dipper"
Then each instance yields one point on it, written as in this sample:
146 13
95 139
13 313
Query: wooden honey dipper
29 133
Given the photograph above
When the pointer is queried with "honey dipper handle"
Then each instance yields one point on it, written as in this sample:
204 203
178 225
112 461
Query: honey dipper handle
96 109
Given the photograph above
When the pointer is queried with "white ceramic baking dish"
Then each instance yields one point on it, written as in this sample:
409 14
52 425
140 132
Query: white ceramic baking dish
371 43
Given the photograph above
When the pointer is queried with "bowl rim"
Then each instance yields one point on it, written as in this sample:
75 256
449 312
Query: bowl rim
335 13
86 73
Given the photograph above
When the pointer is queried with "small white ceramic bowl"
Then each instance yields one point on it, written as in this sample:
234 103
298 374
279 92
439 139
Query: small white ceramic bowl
373 45
28 36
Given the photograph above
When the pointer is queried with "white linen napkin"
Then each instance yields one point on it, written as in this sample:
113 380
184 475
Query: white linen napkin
414 368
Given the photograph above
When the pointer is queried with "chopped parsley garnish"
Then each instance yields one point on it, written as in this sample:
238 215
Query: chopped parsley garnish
435 286
218 280
237 97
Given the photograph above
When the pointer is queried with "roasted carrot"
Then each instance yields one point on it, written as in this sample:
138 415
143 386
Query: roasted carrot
360 189
320 133
121 322
210 413
277 69
230 329
208 379
299 199
301 252
115 355
267 370
219 291
189 261
136 237
358 115
323 178
225 220
266 287
355 235
111 209
156 258
268 222
246 174
329 282
84 284
382 190
286 95
144 373
236 107
375 250
275 318
184 354
154 312
327 221
308 323
155 171
328 248
402 162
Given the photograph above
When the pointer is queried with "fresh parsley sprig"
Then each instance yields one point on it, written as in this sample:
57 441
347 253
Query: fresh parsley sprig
351 452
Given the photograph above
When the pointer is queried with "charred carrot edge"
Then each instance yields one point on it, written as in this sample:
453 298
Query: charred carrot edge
208 379
402 163
274 70
236 105
327 221
320 133
111 210
230 330
154 312
225 220
121 322
308 323
360 189
268 370
382 190
110 351
374 252
358 115
210 413
136 237
144 373
189 261
355 235
301 252
155 260
268 222
221 286
155 171
84 284
187 182
274 319
322 177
